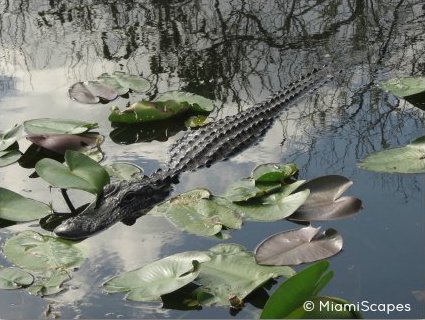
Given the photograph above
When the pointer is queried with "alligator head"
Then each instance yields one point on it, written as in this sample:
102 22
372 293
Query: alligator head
117 201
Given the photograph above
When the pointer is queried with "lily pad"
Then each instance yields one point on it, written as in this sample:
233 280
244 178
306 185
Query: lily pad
407 159
14 278
49 283
404 87
273 207
15 207
59 143
9 157
158 278
10 137
197 121
231 274
81 172
123 171
146 111
91 92
196 102
325 201
298 246
37 252
48 126
274 172
126 81
301 287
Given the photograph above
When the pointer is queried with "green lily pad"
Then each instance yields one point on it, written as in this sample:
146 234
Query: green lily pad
298 246
14 278
152 281
301 287
9 137
146 111
407 159
123 171
196 102
9 157
404 87
36 252
274 172
15 207
81 172
127 81
49 283
231 274
49 126
247 189
272 207
196 121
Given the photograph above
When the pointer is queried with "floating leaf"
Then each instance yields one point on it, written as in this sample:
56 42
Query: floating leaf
274 172
325 201
47 126
404 87
298 246
15 207
158 278
49 283
296 290
9 137
197 103
9 157
59 143
231 274
81 172
196 121
242 190
126 81
407 159
145 111
273 207
14 278
37 252
91 92
123 171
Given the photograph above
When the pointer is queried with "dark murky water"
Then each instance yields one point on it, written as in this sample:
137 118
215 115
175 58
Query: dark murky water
237 53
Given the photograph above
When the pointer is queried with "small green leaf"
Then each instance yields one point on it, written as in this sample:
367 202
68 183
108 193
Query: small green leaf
196 121
197 103
408 159
295 291
404 87
123 171
49 283
57 126
274 172
39 253
152 281
15 207
14 278
82 172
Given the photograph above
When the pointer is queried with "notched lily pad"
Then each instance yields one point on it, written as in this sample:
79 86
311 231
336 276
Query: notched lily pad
298 246
14 207
14 278
325 201
407 159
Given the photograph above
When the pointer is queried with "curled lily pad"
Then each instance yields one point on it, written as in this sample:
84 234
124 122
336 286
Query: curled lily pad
298 246
14 207
14 278
9 137
325 201
407 159
196 102
146 111
274 172
81 172
48 126
152 281
59 143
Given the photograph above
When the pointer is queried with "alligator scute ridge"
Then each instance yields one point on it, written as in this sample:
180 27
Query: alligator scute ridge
202 147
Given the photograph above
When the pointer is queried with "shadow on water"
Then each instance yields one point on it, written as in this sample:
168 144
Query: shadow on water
235 53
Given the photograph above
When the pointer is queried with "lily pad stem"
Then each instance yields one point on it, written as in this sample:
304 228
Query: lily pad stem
68 201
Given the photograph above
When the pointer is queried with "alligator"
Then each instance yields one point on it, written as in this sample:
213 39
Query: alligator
128 200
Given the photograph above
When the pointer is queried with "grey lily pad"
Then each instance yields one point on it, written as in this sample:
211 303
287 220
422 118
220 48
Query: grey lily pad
325 201
39 253
14 278
14 207
298 246
91 92
49 126
231 274
196 102
152 281
407 159
81 172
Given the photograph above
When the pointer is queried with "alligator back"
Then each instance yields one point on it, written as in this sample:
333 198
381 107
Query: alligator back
221 139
